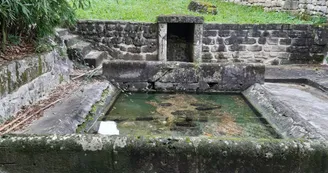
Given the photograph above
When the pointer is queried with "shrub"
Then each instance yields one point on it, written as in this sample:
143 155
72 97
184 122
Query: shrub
35 19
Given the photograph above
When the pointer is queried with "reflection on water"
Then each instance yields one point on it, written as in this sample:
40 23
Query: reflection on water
187 115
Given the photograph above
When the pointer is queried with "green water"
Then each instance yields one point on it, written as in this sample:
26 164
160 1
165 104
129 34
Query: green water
187 115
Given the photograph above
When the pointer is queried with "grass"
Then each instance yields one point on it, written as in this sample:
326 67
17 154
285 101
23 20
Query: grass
148 10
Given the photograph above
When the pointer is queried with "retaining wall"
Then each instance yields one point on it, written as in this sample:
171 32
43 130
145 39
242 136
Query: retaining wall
312 7
123 40
249 43
26 81
268 43
93 153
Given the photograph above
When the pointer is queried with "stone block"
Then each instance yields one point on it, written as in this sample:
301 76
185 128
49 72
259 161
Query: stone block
298 49
208 41
134 50
207 57
180 19
210 33
237 47
219 40
272 41
233 40
224 33
151 57
218 48
148 48
299 42
275 48
205 48
285 41
317 49
262 40
254 48
279 33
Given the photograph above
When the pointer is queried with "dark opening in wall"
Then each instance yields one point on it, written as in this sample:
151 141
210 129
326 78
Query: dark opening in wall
180 38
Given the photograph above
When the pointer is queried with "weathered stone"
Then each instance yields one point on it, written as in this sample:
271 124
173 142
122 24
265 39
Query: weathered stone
203 7
206 48
285 41
272 41
262 40
207 57
254 48
180 19
148 48
151 57
134 49
208 41
224 33
237 47
204 154
218 48
209 33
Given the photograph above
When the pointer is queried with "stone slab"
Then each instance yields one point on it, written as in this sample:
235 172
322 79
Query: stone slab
65 116
180 19
314 75
229 77
295 111
121 154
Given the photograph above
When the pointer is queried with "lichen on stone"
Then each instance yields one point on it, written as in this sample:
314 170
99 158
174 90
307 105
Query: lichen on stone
203 7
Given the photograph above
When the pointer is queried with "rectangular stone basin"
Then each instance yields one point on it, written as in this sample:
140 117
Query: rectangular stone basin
179 115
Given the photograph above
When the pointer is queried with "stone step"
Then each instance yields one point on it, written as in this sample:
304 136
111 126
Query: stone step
70 39
95 58
61 31
79 50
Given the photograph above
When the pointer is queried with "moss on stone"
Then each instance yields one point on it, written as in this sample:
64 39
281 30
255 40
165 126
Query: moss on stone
61 78
92 113
2 86
39 65
9 81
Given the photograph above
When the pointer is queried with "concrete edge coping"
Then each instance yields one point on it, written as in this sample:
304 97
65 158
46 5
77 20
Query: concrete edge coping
278 118
269 26
90 141
180 63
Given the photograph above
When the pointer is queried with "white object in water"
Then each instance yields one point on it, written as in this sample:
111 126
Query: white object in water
108 128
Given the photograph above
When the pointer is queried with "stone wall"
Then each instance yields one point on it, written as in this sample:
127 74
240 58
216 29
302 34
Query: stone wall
312 7
249 43
25 81
120 154
123 40
182 76
266 43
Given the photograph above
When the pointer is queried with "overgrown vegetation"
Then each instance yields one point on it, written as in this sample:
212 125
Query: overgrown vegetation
148 10
31 20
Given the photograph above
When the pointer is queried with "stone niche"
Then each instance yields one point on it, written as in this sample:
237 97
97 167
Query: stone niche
180 38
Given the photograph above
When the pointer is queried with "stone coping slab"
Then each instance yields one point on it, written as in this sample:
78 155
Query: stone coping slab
180 19
122 154
78 112
293 110
182 76
313 75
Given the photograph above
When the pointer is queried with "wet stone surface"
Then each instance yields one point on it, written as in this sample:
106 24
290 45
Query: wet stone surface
208 115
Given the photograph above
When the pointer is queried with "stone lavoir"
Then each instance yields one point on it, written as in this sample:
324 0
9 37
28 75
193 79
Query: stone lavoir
179 95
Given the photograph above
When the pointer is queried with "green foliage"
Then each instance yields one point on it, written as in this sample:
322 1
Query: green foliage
35 19
148 10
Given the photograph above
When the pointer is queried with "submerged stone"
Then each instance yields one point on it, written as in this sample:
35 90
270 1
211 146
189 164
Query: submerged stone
207 108
165 104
